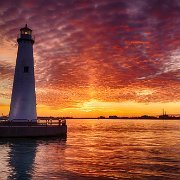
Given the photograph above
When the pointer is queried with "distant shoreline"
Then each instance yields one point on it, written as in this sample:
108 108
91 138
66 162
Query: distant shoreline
107 118
118 118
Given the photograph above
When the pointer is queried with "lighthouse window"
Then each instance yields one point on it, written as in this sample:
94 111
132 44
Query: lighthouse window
26 69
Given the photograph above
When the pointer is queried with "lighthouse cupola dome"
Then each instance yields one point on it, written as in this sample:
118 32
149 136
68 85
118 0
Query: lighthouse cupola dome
25 34
26 30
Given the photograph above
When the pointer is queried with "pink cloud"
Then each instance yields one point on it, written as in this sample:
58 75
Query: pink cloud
112 48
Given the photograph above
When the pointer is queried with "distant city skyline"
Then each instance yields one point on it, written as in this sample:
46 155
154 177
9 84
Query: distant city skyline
96 58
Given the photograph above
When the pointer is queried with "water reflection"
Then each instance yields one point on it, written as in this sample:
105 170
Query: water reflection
50 158
97 149
21 158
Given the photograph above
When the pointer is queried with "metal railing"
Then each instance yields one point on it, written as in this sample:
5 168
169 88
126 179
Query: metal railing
33 122
51 122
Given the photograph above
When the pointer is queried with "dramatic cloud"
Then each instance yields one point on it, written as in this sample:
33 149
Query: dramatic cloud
111 51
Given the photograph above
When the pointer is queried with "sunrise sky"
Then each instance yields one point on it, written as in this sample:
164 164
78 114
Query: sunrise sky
96 57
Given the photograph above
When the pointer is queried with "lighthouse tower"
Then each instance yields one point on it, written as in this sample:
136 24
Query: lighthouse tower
23 100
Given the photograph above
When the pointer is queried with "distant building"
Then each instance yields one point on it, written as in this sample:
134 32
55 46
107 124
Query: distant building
113 117
164 115
147 117
101 117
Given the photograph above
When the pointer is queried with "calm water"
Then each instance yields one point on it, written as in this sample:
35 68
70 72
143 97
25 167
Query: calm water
97 149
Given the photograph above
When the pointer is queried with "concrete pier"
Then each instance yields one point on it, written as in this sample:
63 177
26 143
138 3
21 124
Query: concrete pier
30 129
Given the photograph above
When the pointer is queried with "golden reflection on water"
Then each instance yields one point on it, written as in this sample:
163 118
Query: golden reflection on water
3 161
99 149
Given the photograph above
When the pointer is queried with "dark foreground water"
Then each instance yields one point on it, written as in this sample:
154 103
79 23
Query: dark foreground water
97 149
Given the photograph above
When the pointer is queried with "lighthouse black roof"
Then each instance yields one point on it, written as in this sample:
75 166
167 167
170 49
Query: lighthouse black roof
25 35
25 28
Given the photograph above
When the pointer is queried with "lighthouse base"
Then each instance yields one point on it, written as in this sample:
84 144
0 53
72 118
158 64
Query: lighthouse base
34 130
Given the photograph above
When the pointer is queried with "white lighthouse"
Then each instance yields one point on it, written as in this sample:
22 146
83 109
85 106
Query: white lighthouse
23 100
